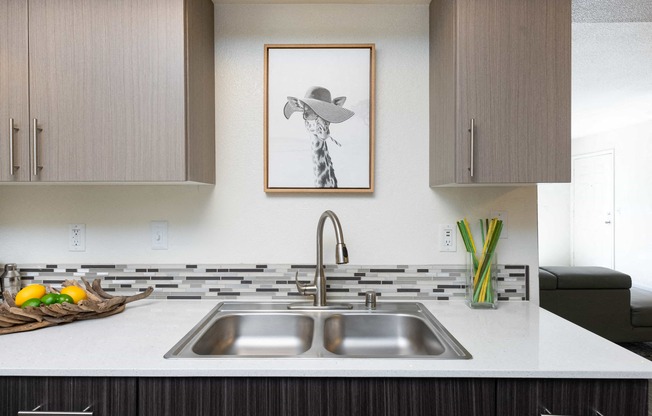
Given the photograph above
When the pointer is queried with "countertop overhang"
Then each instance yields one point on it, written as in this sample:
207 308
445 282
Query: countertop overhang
517 340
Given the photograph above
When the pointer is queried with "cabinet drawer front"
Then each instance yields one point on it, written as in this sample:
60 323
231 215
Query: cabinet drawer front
571 397
68 395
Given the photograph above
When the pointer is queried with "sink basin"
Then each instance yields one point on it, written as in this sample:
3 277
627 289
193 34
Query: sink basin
248 330
380 335
256 335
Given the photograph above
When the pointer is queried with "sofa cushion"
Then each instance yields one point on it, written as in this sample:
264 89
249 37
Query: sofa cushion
547 280
641 307
589 277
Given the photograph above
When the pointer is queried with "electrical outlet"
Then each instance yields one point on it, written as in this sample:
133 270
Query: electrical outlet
159 235
77 237
501 215
447 237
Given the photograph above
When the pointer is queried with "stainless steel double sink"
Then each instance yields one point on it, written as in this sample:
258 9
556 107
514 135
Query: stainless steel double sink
391 330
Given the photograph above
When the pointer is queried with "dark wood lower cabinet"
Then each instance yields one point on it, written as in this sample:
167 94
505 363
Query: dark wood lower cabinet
276 396
575 397
316 397
106 396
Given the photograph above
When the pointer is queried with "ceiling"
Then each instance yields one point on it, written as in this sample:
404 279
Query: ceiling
610 11
612 63
611 76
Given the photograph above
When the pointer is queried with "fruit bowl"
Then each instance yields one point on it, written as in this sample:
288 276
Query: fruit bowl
98 304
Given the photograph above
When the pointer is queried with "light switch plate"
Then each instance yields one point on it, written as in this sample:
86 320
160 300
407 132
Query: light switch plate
159 235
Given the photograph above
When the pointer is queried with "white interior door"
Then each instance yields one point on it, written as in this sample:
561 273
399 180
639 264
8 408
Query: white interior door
592 219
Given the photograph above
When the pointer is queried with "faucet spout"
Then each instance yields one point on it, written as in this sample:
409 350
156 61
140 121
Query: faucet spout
317 288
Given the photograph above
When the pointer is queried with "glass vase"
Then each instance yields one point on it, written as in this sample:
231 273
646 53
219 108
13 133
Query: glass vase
481 273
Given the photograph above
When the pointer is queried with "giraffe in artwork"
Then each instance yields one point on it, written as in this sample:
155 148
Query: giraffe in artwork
319 130
319 111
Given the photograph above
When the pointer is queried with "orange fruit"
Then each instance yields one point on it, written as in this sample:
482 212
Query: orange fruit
76 293
30 292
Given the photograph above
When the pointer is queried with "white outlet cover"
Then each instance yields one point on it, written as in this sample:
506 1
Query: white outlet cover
76 237
447 238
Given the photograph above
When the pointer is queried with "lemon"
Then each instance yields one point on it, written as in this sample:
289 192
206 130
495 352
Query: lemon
30 292
76 293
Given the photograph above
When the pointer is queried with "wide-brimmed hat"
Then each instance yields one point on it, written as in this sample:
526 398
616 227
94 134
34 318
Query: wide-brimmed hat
319 100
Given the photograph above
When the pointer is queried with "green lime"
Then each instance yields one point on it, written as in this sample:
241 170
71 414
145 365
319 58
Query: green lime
50 298
64 298
34 302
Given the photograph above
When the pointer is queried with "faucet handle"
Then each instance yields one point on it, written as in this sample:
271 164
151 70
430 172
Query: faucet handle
303 288
370 300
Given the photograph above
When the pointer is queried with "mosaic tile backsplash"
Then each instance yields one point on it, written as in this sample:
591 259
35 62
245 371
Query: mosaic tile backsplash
273 281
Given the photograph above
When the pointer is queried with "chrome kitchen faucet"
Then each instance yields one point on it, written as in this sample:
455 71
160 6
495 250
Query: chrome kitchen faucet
318 287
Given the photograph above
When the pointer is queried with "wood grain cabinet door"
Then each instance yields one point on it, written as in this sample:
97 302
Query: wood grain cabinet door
105 396
514 81
503 65
574 397
14 110
107 89
316 397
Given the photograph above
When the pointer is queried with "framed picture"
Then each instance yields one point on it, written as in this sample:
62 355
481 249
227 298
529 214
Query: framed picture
319 118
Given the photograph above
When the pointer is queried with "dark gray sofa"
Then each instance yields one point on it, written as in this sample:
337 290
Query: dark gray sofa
599 299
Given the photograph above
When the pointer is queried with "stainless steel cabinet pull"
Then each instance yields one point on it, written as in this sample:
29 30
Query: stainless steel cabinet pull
472 131
35 165
37 412
546 412
12 130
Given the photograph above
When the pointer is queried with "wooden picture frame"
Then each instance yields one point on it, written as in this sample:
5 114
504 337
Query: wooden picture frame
319 118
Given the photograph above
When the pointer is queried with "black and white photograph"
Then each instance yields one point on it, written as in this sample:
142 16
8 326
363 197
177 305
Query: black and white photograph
319 133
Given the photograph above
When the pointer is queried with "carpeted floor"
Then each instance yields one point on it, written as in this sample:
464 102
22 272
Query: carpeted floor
644 349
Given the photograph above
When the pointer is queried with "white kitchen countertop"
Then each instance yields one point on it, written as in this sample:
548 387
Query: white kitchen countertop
518 340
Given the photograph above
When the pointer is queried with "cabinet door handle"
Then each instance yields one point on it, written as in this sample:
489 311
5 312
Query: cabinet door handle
35 165
472 131
12 130
595 413
546 412
37 412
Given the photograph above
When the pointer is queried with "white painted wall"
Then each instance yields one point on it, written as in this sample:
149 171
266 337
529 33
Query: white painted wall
633 203
235 221
633 200
554 224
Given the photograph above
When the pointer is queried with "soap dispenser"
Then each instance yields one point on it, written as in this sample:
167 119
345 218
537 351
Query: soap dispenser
10 279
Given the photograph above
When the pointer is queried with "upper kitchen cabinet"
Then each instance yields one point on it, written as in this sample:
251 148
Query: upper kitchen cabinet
500 89
14 110
119 91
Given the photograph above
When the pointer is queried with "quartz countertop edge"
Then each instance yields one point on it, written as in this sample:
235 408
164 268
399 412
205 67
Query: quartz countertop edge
517 340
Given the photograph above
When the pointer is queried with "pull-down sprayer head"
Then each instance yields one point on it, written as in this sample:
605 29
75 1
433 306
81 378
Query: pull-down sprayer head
341 254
